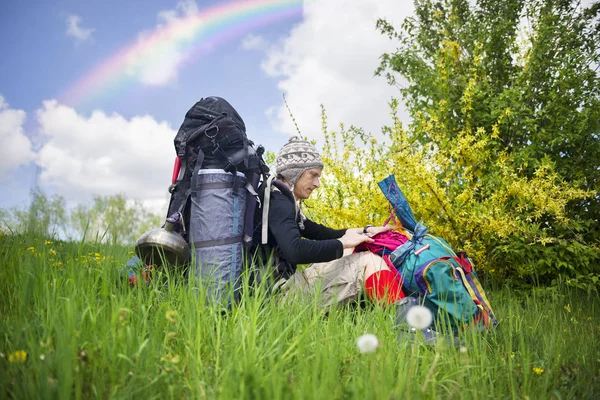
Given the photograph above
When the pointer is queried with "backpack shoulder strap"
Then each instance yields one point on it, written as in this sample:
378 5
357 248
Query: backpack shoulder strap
283 188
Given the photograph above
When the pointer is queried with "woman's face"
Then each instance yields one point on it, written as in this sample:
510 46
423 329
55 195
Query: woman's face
308 181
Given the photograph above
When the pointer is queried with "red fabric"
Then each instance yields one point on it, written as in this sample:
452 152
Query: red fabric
146 274
464 262
384 242
384 285
176 168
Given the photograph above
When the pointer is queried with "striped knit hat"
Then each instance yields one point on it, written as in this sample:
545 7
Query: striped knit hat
295 157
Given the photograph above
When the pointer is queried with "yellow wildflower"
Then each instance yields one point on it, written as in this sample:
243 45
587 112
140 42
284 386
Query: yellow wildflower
123 317
568 308
538 371
170 316
19 356
47 242
31 249
52 252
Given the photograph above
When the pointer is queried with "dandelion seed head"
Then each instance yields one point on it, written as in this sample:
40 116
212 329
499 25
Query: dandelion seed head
367 343
419 317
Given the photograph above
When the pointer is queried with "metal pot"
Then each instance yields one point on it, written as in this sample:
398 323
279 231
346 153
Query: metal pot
163 246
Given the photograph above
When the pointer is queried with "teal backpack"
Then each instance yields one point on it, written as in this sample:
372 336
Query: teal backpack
432 270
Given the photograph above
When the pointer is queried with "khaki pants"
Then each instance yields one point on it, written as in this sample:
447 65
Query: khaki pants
339 281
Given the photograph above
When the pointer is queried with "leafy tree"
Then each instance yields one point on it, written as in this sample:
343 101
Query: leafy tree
502 156
45 216
113 219
517 79
529 67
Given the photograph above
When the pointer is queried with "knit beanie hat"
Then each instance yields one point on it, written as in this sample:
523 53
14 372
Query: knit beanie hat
295 157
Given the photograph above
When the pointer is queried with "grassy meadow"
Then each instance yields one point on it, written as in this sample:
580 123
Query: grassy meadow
70 327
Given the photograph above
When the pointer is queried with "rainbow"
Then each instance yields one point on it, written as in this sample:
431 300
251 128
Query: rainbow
184 39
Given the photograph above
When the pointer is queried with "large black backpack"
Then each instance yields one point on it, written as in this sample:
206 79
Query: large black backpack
213 136
215 194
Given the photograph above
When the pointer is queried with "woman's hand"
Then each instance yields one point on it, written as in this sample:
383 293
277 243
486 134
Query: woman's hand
354 237
374 230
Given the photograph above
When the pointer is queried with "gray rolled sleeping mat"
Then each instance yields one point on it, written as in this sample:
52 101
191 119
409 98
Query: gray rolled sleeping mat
216 232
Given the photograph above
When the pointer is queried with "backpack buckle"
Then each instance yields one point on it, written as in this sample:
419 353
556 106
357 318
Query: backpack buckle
211 137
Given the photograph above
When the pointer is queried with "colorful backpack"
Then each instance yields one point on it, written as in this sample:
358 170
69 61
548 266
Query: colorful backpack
431 269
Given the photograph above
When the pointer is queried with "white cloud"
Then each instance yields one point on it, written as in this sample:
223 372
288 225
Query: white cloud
104 154
16 147
75 30
158 66
254 42
183 8
161 71
330 58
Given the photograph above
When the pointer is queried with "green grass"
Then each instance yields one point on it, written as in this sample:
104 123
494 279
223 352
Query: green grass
89 334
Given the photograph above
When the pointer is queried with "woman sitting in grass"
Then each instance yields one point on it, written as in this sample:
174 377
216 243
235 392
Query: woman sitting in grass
294 239
339 274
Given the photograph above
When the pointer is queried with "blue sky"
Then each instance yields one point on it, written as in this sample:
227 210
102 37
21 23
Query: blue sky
121 141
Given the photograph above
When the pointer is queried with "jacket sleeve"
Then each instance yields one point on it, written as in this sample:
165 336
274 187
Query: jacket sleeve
315 231
294 248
